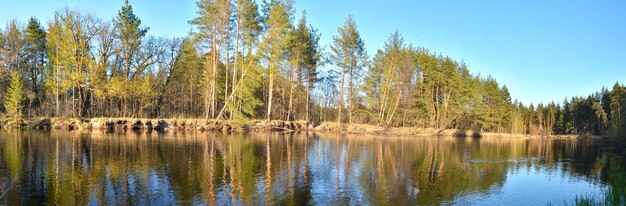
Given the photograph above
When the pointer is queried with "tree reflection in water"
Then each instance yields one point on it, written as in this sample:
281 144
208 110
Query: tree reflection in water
287 168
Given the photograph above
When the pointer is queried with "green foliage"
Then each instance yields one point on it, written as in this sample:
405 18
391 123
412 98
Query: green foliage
495 106
178 79
348 49
617 105
249 21
213 24
349 54
35 53
305 52
278 27
305 58
212 17
245 101
411 86
13 102
247 98
241 61
391 78
129 26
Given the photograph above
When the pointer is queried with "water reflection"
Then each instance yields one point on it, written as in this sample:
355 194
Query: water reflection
292 169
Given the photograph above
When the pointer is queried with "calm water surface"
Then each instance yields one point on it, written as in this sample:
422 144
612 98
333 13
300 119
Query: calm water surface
293 169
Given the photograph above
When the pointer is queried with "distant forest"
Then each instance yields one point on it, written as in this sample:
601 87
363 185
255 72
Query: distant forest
244 61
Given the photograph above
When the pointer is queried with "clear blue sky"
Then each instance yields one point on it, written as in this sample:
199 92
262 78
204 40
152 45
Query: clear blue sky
542 50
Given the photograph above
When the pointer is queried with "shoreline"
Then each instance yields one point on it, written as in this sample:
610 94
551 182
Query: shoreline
233 126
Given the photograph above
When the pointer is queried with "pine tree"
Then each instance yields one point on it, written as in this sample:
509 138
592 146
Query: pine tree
213 29
348 53
35 58
247 70
278 27
131 35
391 78
305 58
312 59
247 30
618 111
14 98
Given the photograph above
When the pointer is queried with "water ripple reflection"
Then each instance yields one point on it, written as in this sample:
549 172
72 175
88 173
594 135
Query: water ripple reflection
293 169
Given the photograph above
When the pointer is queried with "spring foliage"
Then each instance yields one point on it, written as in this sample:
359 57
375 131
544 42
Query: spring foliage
14 99
246 60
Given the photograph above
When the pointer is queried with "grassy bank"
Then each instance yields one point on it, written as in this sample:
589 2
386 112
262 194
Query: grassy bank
201 125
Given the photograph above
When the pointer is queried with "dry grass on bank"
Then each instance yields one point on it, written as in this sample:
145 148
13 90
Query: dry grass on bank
244 125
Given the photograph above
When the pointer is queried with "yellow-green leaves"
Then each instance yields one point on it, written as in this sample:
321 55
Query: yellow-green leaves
13 102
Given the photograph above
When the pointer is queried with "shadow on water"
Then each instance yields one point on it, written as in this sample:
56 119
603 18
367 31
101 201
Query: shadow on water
615 194
140 168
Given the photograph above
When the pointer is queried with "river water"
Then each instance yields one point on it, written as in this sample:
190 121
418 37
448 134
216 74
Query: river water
65 168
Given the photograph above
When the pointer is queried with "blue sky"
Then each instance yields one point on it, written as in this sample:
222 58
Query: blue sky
542 50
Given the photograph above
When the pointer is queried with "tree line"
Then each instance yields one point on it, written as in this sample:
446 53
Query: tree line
249 60
601 114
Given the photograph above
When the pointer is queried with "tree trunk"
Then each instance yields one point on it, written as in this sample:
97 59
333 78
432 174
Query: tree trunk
350 96
289 112
381 107
235 64
207 93
243 75
394 108
270 95
214 75
340 105
308 87
226 64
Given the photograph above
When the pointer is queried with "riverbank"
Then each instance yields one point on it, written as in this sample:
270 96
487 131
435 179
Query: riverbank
201 125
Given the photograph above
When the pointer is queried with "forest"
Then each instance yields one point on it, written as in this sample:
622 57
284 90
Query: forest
248 60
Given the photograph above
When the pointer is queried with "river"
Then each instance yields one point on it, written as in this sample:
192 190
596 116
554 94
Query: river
65 168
